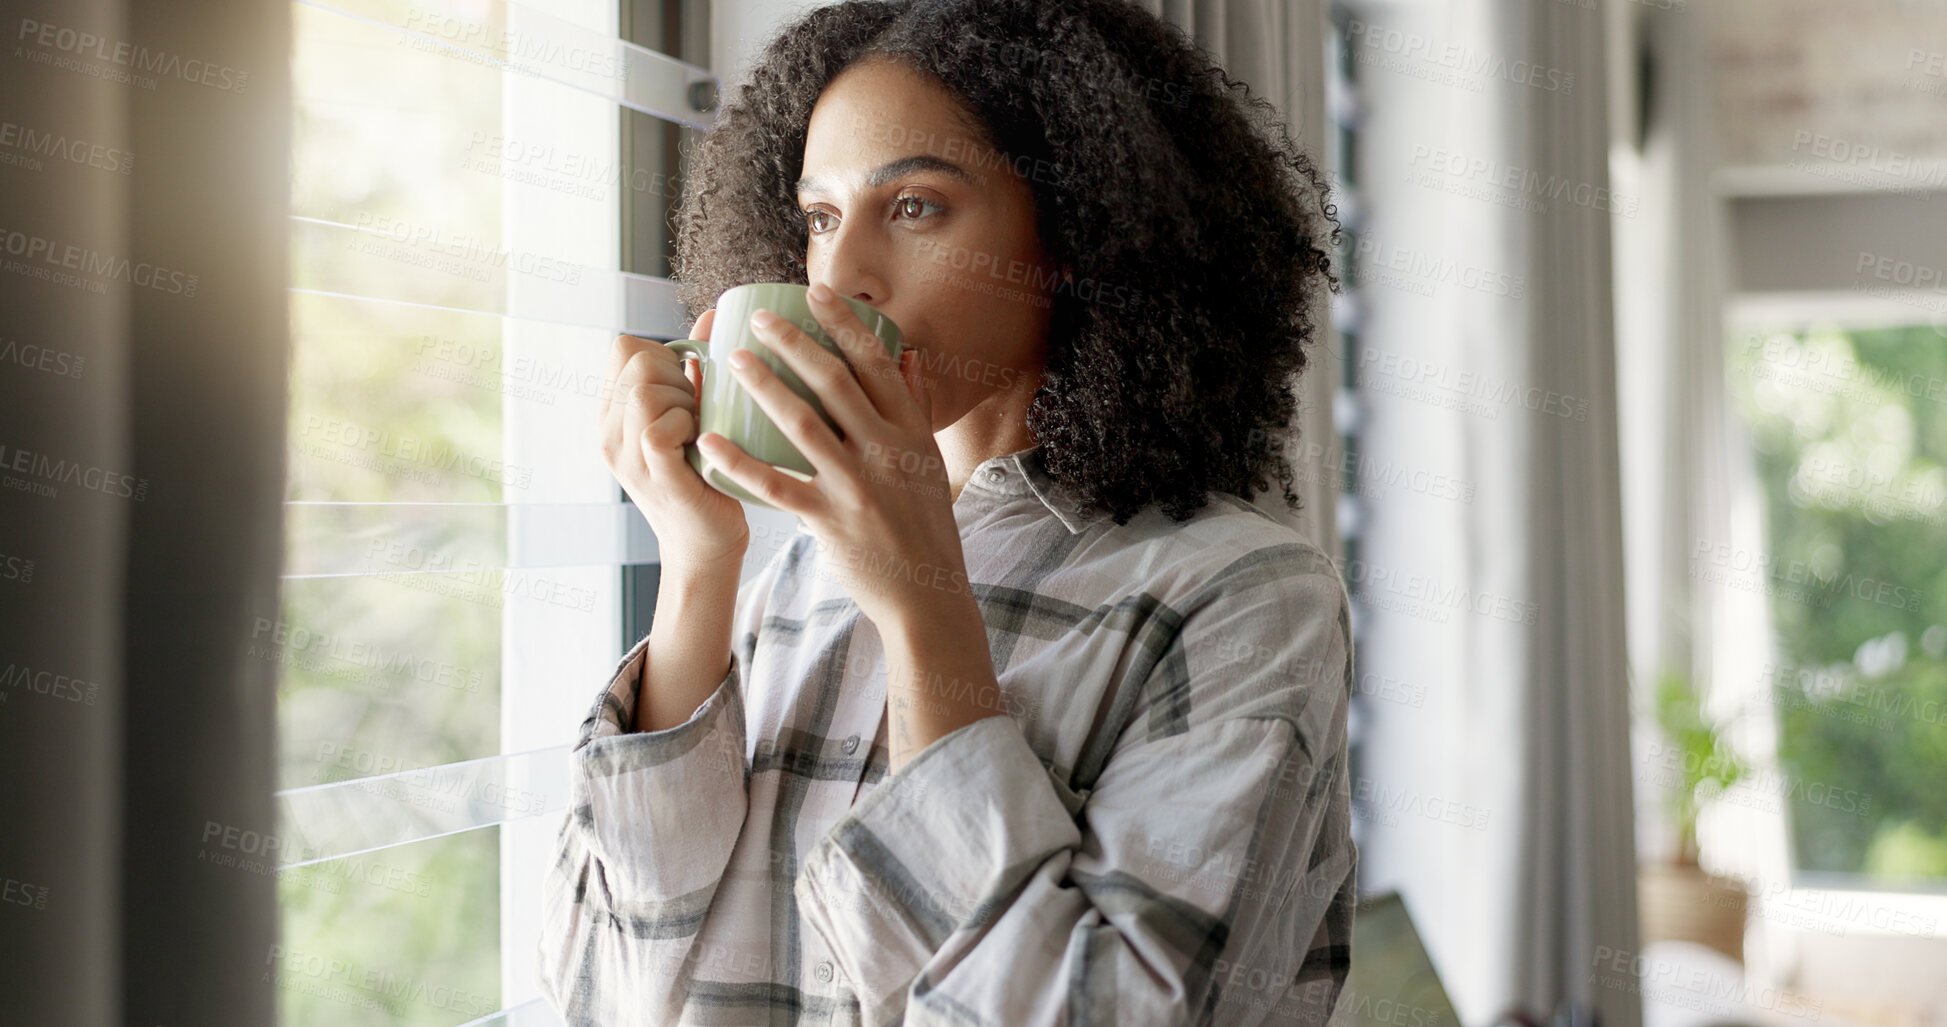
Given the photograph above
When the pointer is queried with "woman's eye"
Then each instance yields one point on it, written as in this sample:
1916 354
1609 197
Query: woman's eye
818 222
913 206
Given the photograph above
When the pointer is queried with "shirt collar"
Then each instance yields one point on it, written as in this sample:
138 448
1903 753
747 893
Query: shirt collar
1022 473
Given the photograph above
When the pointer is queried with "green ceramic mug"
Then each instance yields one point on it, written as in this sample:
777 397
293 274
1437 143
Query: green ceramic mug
725 408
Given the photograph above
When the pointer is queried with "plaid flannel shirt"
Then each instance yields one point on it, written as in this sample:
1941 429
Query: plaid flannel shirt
1157 832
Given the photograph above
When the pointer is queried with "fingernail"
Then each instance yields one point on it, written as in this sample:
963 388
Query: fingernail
820 292
739 358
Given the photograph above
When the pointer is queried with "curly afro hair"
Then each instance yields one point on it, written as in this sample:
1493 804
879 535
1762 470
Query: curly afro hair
1170 180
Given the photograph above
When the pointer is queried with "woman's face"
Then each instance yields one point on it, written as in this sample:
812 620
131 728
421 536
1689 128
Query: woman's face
907 209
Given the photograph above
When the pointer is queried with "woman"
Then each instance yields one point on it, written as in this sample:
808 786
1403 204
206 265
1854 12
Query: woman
1033 720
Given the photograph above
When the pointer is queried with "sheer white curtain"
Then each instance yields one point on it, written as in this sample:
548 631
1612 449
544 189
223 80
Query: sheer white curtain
1500 806
1277 48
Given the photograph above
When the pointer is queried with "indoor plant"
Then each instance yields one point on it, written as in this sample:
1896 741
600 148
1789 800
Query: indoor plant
1677 898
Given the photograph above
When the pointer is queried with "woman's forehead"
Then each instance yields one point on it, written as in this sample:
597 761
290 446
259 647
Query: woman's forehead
879 110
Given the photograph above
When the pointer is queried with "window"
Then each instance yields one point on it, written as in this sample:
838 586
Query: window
1344 459
480 194
1848 438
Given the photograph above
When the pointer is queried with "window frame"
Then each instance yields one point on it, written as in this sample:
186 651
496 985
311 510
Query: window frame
1741 836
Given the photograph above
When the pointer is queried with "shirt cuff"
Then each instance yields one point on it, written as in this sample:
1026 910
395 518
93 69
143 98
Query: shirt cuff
939 845
661 810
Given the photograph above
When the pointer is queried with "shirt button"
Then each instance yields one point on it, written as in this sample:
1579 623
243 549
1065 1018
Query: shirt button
824 972
851 745
996 475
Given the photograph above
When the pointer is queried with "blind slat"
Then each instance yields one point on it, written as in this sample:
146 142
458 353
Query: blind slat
378 539
535 1013
323 822
525 41
425 267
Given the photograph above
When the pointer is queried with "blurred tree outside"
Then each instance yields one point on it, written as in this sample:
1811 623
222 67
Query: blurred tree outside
1850 433
380 132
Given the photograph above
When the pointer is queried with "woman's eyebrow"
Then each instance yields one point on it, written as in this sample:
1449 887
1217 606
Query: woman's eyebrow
894 168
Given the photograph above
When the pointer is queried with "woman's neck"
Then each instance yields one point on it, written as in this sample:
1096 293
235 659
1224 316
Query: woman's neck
996 427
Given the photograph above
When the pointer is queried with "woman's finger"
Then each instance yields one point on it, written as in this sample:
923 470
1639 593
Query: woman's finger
659 440
793 416
773 486
693 369
823 372
876 372
631 362
631 410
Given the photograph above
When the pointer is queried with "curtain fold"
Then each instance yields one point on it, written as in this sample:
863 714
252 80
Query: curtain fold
143 328
1578 869
1500 803
60 573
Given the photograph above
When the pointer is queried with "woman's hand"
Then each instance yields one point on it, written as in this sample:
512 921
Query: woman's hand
879 501
648 412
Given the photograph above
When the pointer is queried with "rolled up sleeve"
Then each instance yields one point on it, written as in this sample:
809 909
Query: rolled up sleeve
1201 881
661 809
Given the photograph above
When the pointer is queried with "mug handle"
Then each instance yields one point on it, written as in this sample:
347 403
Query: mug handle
699 350
691 452
691 348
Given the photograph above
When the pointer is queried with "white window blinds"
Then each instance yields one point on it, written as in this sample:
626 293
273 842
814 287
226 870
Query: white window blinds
465 244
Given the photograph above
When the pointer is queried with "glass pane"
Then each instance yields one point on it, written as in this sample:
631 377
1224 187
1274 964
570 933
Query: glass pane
383 673
381 131
1851 443
376 675
371 423
394 669
451 598
409 935
534 43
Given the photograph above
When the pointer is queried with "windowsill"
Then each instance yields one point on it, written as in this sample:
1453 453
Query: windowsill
1852 911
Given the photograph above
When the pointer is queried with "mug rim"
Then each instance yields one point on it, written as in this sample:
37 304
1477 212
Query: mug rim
898 338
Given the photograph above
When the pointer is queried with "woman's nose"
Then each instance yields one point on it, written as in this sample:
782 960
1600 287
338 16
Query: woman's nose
852 268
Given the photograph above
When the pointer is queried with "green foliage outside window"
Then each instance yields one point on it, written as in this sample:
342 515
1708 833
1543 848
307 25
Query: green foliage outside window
1850 434
409 934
